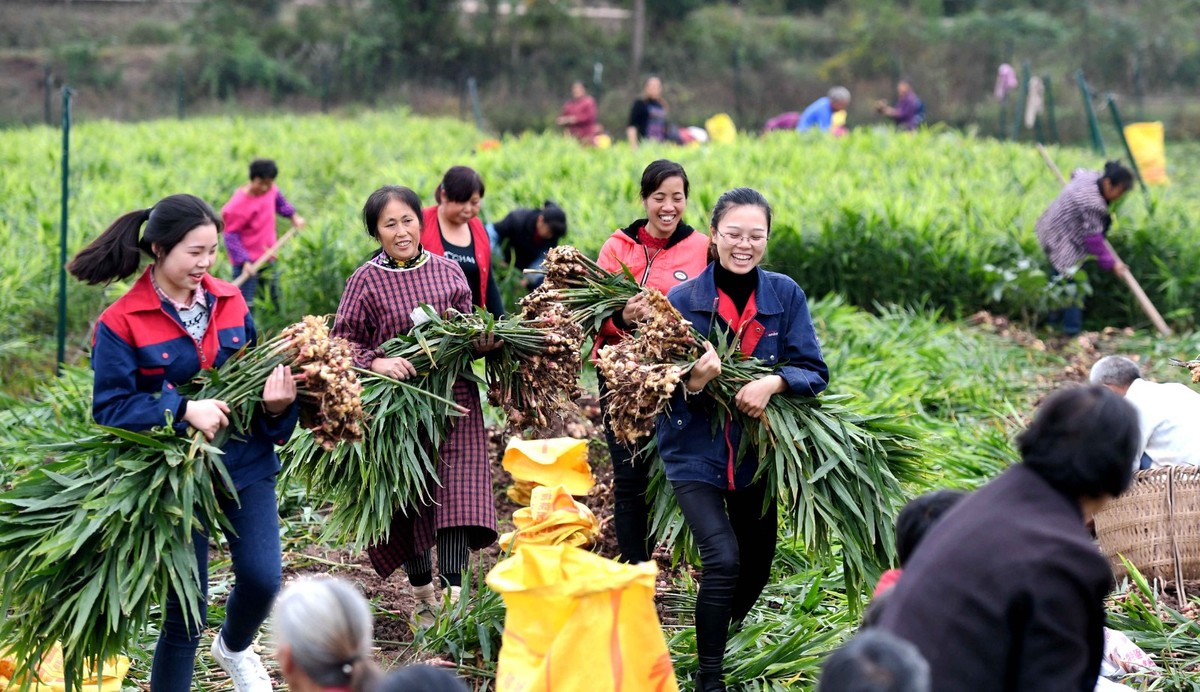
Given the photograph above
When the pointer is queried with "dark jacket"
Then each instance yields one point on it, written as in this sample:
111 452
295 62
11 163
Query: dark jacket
1006 592
781 331
141 353
519 240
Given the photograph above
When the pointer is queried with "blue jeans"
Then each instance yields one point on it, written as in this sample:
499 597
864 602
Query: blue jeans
257 570
1069 318
264 277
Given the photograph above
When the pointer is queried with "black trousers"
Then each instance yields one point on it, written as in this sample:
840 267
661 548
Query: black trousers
631 479
737 545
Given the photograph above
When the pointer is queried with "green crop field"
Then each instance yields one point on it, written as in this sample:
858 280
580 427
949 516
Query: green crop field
897 240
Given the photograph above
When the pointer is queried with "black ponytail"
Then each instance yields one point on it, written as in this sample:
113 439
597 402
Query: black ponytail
1118 175
116 254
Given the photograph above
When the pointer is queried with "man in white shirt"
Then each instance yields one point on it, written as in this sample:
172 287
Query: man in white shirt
1168 413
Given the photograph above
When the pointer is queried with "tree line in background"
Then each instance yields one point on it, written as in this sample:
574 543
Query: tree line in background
752 59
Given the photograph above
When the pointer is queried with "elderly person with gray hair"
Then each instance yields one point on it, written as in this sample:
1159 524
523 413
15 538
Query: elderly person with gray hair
875 661
1168 413
819 113
323 636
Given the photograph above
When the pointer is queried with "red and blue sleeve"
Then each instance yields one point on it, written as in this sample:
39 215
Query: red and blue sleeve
116 400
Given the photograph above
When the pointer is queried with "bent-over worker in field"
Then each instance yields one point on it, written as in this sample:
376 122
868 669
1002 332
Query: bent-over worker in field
820 114
1075 224
1007 591
1167 412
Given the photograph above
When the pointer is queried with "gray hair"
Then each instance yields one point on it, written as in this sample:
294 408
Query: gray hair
839 93
328 625
1117 371
875 661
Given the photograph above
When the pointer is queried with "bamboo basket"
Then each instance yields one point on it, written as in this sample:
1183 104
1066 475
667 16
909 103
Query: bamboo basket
1155 524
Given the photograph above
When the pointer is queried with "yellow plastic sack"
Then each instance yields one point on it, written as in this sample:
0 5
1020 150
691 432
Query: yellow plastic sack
553 517
521 492
577 621
558 461
1149 151
721 129
51 677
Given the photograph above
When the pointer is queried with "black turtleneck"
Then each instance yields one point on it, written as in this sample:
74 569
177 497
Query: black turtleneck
736 286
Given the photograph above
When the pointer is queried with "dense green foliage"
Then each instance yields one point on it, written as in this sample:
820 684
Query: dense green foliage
879 218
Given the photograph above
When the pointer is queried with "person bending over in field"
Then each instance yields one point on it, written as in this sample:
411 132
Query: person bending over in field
526 235
1074 227
1007 593
173 321
732 516
1167 413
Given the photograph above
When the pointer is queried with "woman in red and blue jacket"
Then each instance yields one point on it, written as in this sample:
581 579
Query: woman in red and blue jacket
660 251
767 315
174 321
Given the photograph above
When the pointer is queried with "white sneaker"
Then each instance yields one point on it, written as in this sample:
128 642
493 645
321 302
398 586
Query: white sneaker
245 668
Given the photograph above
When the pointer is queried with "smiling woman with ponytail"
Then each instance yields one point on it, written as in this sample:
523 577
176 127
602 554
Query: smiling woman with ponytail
174 321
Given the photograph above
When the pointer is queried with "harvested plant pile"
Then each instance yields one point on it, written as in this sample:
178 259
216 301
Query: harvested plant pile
89 542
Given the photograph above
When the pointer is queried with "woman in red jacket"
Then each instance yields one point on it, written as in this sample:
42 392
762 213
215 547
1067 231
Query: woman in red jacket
661 251
173 321
453 230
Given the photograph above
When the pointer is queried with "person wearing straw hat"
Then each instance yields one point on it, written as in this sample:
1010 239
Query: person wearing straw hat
1167 413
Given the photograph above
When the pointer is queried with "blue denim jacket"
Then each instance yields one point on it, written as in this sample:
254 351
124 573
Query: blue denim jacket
691 446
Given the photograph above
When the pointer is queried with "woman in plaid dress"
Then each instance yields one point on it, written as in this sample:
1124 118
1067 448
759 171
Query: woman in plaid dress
378 304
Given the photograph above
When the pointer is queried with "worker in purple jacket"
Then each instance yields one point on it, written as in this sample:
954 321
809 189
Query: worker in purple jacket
1074 226
909 111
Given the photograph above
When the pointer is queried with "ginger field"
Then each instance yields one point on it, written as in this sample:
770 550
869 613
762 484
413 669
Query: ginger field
891 236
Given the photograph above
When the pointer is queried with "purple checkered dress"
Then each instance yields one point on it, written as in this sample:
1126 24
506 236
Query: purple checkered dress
376 306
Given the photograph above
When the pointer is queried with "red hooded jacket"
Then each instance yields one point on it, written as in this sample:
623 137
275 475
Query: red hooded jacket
685 256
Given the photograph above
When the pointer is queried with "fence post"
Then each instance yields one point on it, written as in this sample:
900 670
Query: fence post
1019 115
326 84
1050 109
737 82
47 87
1093 124
62 245
598 79
1116 116
180 93
473 94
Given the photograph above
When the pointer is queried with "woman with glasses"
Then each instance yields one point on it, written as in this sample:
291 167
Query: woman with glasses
764 315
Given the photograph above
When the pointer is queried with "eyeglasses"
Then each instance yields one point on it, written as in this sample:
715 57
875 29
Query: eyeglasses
735 238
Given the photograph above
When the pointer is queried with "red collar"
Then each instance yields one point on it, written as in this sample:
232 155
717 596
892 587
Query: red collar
747 331
650 241
142 295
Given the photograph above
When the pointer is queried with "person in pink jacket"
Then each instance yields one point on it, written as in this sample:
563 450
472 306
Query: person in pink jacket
249 218
579 115
661 251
